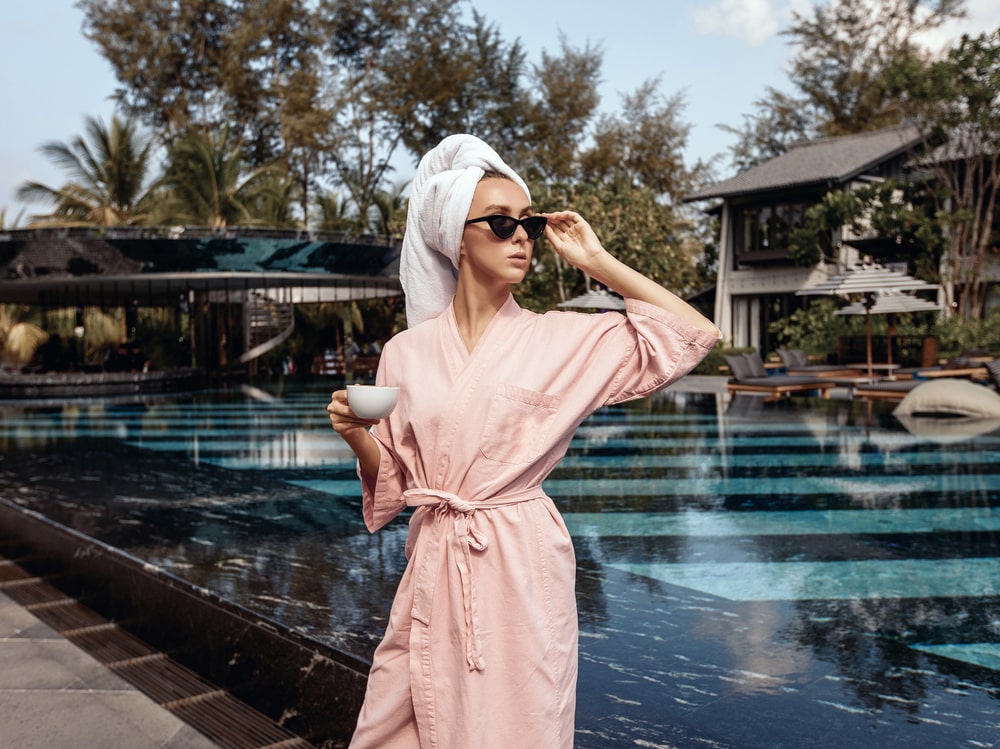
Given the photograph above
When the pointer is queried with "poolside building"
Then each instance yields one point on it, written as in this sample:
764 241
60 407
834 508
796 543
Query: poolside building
758 208
231 291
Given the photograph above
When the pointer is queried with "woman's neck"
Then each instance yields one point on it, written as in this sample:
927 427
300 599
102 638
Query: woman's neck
475 310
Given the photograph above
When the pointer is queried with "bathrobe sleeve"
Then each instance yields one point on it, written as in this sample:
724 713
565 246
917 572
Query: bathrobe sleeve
382 497
659 349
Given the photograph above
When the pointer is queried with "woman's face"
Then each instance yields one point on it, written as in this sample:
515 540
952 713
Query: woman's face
484 254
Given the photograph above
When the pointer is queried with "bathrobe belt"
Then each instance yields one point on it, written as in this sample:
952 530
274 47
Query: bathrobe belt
464 538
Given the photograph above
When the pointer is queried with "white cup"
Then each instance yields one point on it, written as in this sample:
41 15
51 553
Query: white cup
372 402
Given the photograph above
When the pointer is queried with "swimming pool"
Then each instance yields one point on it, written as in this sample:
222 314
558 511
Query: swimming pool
801 573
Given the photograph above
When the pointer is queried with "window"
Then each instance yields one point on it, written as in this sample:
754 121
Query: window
762 230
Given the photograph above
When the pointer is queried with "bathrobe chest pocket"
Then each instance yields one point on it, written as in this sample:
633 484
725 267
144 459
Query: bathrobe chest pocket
518 424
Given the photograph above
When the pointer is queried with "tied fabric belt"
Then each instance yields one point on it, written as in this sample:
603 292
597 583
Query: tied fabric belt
465 537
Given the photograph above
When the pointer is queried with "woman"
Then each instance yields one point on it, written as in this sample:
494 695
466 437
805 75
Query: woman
481 646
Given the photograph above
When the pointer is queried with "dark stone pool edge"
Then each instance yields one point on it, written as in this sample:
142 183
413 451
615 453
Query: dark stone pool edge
308 687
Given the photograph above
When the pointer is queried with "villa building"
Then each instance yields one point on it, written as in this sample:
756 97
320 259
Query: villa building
757 280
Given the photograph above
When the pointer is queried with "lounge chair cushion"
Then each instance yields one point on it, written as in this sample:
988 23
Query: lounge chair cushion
756 364
951 396
738 366
793 357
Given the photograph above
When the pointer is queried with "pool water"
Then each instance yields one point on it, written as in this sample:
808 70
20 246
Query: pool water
801 573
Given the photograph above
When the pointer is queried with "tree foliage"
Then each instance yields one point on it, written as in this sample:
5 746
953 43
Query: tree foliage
843 50
168 56
955 103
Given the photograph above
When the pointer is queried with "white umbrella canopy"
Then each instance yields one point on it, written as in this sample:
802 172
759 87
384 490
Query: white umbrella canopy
873 282
595 299
868 277
888 303
891 303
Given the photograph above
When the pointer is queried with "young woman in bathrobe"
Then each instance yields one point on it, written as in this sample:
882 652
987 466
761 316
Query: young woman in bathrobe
481 646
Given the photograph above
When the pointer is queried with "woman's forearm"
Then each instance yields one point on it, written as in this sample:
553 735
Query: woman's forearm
616 275
366 449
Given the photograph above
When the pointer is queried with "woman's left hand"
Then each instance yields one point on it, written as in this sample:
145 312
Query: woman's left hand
573 239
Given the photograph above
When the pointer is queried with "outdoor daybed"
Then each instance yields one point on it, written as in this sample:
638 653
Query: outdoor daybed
749 376
894 390
797 363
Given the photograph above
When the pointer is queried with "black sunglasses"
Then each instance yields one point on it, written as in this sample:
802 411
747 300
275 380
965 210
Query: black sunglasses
505 226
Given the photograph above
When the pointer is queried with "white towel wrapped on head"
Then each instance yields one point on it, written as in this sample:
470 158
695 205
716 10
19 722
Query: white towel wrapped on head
440 197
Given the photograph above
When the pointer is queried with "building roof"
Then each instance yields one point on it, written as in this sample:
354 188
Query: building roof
819 162
91 266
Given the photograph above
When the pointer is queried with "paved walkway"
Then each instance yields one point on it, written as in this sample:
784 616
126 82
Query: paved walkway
53 695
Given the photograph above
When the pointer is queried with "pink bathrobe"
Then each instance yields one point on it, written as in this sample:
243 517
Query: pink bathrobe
481 646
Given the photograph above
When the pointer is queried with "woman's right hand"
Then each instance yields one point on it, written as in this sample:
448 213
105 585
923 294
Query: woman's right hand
342 417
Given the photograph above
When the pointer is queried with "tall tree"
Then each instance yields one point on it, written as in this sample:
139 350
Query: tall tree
843 50
108 171
561 113
396 85
627 183
644 145
275 86
464 78
955 102
167 56
252 65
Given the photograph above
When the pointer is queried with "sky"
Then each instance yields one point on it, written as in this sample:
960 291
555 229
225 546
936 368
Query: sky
719 55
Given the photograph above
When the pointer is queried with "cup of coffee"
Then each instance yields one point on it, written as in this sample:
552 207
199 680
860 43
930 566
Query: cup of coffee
371 401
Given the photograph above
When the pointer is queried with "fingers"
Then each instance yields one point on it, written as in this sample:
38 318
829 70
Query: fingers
563 220
342 417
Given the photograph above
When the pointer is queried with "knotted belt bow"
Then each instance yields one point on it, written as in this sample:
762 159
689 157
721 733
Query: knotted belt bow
465 537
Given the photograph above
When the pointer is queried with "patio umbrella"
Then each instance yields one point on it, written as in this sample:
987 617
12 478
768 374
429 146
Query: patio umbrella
888 303
595 299
869 280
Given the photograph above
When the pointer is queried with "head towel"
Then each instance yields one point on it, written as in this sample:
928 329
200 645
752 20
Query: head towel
440 197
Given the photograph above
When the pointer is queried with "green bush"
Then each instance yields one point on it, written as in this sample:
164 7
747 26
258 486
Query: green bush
956 335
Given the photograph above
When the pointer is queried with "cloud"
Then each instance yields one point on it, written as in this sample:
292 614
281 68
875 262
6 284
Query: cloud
755 22
982 17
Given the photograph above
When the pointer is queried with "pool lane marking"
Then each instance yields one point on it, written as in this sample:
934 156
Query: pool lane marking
845 580
795 485
735 524
985 654
778 523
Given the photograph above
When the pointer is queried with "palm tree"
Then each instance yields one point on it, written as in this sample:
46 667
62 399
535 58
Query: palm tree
107 172
336 214
390 219
205 185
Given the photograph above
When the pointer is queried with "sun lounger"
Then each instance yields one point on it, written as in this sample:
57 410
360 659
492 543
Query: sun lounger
894 390
797 362
781 385
749 376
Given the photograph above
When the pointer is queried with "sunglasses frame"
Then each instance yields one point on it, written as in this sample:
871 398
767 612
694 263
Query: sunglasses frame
517 222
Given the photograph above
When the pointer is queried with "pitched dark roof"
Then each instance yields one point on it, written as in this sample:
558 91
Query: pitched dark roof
818 162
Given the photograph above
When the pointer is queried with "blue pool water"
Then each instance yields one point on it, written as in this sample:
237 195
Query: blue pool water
802 573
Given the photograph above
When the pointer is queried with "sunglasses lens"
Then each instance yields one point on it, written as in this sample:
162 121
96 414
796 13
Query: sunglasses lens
534 226
503 226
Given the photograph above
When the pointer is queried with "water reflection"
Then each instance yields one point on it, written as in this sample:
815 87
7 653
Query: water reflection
749 573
